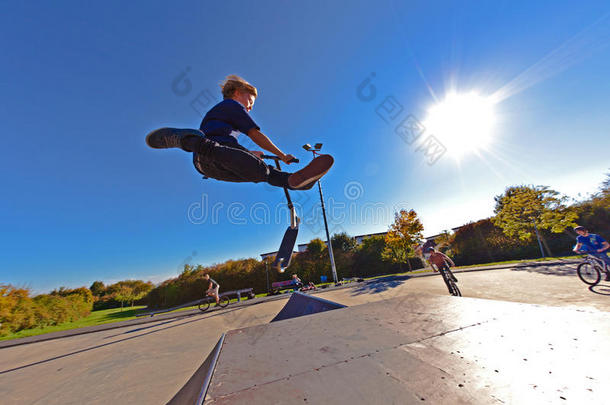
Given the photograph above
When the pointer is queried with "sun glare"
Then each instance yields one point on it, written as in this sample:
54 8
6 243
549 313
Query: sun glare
463 123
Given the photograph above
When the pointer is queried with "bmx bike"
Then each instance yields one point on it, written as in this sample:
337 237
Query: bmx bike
450 280
205 304
591 269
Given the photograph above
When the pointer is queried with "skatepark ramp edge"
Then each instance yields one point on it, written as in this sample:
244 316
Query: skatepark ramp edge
194 391
196 388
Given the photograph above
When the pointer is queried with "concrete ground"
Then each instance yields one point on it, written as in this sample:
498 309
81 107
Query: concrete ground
149 363
415 348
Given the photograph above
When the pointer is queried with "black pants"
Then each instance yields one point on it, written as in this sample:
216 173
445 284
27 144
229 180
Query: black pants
231 162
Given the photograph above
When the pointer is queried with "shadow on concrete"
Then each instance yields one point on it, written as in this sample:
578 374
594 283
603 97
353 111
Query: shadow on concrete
125 314
208 315
121 340
146 327
601 289
379 285
552 270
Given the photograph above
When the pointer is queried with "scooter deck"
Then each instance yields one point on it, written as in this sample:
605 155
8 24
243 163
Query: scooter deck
284 255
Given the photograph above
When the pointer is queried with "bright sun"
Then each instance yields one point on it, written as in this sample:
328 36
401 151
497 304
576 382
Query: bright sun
463 123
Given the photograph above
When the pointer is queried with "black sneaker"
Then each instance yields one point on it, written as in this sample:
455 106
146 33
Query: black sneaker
164 138
305 178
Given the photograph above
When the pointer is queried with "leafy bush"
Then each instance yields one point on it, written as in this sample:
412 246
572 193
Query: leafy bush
19 311
483 242
16 309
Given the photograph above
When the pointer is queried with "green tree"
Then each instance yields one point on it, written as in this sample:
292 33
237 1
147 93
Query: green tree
342 241
344 248
126 291
369 259
483 242
316 247
19 311
16 309
404 234
594 214
523 210
98 288
315 261
83 292
124 294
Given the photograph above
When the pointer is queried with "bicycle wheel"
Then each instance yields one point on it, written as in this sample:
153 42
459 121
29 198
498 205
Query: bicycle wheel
448 279
224 301
451 276
588 273
453 289
204 305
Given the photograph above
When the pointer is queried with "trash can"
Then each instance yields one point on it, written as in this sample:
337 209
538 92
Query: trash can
323 279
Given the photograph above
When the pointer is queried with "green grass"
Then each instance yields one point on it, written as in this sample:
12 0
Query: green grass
95 318
542 259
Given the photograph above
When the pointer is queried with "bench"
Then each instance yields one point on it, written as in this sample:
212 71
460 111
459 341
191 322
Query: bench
277 286
246 292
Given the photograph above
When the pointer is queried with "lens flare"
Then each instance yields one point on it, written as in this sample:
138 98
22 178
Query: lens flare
462 122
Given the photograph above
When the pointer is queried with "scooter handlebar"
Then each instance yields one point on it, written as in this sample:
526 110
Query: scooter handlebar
295 160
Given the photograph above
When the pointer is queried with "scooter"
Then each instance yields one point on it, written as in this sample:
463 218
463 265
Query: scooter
284 254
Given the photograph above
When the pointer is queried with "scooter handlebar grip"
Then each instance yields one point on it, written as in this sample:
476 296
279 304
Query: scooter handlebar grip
295 160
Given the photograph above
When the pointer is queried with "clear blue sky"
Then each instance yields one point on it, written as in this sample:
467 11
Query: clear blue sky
84 199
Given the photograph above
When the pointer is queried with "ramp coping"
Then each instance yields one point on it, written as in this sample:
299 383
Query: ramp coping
195 389
323 300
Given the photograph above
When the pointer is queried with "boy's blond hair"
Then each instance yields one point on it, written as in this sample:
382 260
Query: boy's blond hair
232 83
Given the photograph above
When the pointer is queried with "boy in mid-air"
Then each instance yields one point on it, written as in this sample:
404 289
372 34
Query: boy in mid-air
217 153
592 244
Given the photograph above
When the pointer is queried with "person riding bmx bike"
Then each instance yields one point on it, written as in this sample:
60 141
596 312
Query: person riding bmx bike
441 261
595 245
213 288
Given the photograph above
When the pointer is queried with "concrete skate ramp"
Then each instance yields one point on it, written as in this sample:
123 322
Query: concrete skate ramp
301 304
419 349
195 389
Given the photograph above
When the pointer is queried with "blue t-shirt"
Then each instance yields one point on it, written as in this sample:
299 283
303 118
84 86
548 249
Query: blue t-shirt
225 121
591 242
